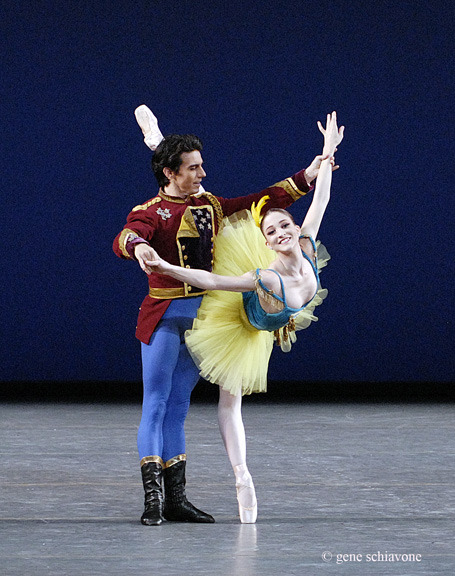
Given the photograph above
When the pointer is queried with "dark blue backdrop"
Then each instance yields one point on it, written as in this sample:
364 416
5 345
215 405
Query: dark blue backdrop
251 79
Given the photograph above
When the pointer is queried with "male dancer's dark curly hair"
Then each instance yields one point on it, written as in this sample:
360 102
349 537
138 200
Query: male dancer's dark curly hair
168 154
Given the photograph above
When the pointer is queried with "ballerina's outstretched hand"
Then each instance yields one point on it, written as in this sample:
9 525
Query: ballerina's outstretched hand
332 135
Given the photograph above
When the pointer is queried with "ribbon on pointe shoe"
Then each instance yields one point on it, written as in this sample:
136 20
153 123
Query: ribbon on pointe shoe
246 495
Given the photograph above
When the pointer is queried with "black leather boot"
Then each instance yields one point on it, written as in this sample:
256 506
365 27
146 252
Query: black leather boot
152 473
176 506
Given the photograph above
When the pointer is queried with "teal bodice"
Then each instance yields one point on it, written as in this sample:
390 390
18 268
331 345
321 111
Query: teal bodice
273 321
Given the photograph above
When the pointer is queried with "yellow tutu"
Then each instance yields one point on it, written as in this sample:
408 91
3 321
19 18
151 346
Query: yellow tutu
227 349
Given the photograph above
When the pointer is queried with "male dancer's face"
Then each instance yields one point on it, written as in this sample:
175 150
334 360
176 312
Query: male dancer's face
189 176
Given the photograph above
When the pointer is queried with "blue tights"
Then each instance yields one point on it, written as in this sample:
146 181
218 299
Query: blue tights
169 376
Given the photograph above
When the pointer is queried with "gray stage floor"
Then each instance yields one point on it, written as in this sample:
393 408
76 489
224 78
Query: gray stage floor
373 482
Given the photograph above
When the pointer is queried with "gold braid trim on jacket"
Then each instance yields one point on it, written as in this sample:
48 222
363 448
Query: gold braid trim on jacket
216 205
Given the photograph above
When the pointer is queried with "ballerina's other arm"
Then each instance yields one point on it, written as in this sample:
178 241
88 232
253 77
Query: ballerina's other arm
150 261
332 137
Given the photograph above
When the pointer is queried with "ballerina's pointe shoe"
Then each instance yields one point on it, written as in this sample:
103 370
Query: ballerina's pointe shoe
246 495
148 123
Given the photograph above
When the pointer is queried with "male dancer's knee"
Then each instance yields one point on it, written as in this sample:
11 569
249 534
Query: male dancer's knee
153 413
178 412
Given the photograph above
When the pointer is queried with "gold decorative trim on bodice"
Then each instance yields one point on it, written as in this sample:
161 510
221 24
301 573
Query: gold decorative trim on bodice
267 295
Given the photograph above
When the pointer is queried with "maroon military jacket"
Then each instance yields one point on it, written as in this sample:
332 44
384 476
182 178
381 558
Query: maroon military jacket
182 231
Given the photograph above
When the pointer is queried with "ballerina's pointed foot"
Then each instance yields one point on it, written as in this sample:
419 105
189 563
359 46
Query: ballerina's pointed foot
246 495
146 119
148 123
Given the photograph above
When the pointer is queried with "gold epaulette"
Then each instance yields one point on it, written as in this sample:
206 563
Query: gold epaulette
146 205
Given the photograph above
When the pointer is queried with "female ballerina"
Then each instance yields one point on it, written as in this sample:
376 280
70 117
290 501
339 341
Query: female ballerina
257 292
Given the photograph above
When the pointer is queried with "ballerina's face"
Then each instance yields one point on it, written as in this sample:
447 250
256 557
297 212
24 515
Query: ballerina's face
280 231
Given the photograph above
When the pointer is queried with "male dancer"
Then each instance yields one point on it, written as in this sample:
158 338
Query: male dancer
180 223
